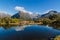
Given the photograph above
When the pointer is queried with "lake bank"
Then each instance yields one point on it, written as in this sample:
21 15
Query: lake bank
23 23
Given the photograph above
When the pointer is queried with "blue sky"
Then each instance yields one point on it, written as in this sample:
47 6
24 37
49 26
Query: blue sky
30 5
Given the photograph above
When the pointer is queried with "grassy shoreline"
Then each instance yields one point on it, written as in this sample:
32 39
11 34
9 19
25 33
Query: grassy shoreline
23 24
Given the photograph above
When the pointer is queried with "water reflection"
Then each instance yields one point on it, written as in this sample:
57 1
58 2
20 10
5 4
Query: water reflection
33 32
55 26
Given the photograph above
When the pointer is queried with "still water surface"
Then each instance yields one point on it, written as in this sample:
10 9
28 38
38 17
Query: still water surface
33 32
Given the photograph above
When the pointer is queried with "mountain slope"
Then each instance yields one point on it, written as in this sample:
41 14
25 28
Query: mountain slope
50 13
25 16
22 15
3 14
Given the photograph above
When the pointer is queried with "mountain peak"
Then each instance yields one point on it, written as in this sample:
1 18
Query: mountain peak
52 11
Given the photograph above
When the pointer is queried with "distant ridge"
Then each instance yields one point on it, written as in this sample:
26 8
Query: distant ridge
4 14
28 16
50 13
25 15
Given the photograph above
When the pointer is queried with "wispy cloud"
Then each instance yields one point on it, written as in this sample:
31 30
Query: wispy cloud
22 9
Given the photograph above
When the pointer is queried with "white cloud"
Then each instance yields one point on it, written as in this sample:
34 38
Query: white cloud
19 8
22 9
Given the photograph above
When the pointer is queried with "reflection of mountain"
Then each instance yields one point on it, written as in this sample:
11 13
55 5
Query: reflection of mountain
33 32
50 13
